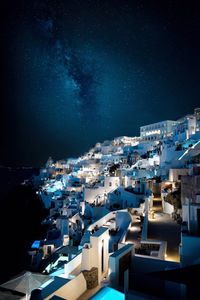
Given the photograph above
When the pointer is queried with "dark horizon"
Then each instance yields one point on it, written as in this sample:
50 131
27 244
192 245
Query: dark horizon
79 72
3 165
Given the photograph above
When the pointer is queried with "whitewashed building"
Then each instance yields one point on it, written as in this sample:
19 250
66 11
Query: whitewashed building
157 131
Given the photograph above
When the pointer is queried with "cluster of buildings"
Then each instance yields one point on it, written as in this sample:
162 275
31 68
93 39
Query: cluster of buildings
124 218
179 130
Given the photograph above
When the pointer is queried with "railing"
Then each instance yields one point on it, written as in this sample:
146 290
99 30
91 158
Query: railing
102 221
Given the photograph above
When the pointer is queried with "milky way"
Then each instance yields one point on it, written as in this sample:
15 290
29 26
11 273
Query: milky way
81 70
78 72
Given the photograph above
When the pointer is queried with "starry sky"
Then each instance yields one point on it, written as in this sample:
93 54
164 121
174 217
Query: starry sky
75 72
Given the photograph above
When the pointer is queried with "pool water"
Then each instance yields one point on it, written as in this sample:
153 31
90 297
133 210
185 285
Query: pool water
108 293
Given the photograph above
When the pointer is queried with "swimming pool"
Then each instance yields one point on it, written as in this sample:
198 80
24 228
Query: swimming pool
108 293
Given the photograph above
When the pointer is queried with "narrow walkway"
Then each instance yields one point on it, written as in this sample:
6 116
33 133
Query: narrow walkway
134 233
163 227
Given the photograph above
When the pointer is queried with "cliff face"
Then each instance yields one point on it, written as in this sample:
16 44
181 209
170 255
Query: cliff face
21 214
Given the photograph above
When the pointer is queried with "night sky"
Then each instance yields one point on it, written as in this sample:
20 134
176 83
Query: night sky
78 72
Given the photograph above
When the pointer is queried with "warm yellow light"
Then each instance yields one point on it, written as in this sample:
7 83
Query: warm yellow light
128 242
133 228
153 132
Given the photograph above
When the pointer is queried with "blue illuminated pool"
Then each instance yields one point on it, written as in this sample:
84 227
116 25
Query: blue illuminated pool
108 293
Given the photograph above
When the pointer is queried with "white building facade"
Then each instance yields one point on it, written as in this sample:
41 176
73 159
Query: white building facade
157 131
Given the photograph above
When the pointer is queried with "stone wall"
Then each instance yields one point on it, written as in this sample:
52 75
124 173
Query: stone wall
190 187
91 278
